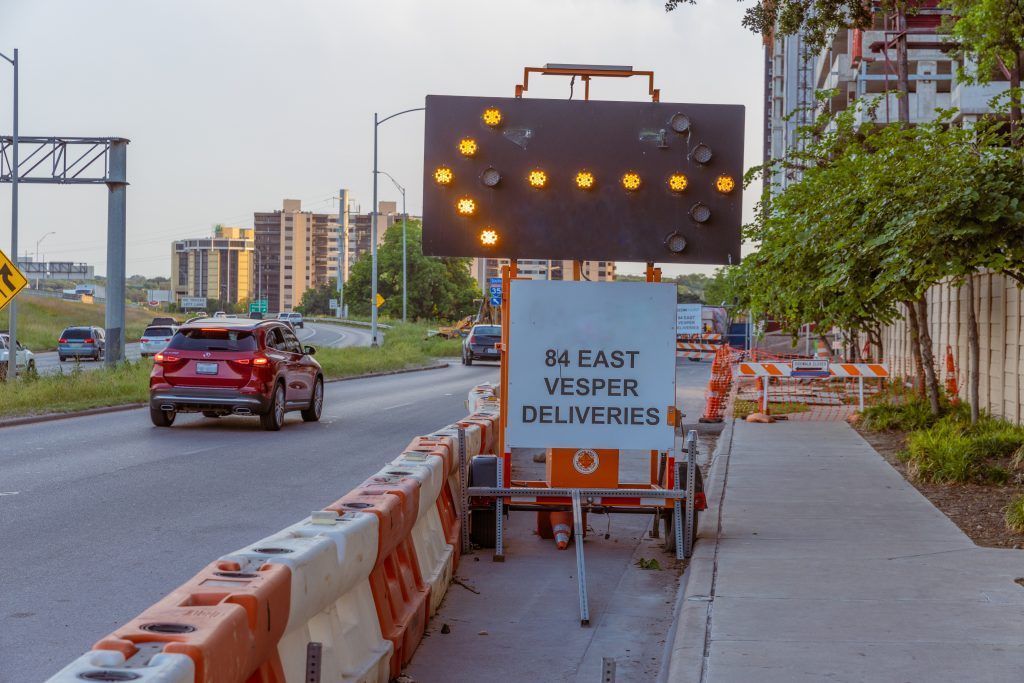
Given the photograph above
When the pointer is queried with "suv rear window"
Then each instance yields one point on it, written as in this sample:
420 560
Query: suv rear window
198 339
157 332
76 333
488 330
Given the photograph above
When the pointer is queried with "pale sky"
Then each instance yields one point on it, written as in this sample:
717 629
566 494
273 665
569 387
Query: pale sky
233 105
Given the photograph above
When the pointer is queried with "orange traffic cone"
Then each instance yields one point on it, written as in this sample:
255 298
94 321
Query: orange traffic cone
561 524
866 351
951 386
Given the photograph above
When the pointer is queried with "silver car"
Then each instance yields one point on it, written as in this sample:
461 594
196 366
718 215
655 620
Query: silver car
155 339
81 342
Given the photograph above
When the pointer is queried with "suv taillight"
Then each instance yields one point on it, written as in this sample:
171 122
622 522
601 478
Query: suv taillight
255 360
472 339
144 340
90 340
62 340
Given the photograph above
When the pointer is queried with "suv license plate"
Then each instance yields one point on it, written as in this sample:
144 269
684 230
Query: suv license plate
206 368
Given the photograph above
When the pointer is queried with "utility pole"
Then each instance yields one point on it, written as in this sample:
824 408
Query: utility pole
342 247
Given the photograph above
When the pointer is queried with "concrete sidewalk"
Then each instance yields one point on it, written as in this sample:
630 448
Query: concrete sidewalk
827 565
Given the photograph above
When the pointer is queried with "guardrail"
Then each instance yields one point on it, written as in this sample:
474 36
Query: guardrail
342 595
346 321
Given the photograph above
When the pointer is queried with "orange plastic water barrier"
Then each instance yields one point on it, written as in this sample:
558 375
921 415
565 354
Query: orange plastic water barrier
402 600
227 621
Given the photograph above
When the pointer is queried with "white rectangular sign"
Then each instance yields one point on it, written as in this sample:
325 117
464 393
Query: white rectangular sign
192 302
591 364
688 318
333 303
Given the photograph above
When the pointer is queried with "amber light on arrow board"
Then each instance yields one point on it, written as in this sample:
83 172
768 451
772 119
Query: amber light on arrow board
466 206
537 178
489 237
492 116
631 181
585 180
677 182
467 147
725 184
443 176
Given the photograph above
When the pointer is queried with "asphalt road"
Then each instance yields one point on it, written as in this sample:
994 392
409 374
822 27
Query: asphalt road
100 516
316 334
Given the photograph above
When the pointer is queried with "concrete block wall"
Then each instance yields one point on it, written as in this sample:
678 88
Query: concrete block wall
998 305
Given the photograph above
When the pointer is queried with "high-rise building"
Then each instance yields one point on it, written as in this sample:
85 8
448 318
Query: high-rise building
359 232
540 269
219 268
296 250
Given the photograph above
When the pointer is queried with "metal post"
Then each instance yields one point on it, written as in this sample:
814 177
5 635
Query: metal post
12 329
860 393
678 515
691 484
463 498
405 288
764 394
373 243
581 569
499 515
117 186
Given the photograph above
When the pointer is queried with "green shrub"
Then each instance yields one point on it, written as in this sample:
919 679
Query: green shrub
909 412
741 409
1013 515
953 451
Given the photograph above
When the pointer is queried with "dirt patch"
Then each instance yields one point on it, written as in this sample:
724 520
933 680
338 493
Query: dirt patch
976 508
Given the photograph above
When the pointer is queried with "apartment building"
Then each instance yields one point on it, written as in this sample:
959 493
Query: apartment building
296 250
860 65
219 268
538 269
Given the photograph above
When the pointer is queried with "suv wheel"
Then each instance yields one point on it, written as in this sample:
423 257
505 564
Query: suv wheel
273 419
469 358
162 418
316 404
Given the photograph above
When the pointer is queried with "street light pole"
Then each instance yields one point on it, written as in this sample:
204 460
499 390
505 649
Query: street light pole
373 242
405 268
373 225
37 254
12 328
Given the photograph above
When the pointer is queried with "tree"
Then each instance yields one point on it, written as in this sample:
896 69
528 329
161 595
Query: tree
317 301
440 288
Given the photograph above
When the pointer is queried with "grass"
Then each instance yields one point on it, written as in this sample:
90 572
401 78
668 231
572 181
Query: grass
77 390
741 409
42 319
1014 515
952 451
404 347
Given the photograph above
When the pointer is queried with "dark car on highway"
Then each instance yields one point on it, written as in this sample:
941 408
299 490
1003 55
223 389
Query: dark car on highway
236 366
81 342
479 344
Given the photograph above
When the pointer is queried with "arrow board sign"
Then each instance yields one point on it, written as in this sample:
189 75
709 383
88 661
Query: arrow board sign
591 365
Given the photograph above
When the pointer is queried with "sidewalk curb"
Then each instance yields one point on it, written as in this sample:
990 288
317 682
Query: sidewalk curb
51 417
683 661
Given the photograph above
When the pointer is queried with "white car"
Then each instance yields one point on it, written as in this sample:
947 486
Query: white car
155 339
25 358
292 318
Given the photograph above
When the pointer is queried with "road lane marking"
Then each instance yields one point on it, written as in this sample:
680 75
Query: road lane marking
9 493
400 405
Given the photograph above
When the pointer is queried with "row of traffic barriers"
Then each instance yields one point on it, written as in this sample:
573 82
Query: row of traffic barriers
343 595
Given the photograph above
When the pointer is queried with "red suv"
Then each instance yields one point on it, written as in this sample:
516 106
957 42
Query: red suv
235 366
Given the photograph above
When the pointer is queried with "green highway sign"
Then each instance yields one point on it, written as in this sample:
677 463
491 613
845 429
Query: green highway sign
258 306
